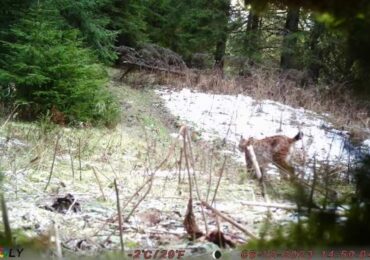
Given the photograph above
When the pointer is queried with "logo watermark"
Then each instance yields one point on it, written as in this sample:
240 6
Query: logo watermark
9 252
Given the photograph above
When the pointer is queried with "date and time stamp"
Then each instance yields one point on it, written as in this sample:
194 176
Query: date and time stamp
253 254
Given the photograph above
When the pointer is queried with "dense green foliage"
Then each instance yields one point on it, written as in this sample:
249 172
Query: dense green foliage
187 27
45 65
127 20
325 229
88 17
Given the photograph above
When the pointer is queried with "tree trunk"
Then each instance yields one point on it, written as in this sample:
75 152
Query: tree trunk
316 53
220 52
221 43
251 42
288 54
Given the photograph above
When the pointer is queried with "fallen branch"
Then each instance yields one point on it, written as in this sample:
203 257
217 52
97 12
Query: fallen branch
269 205
131 65
228 219
285 206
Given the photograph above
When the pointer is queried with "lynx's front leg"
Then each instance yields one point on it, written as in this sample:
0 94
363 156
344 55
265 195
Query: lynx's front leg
286 171
248 161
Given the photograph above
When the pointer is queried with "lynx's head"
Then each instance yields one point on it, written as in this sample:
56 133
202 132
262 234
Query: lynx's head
243 143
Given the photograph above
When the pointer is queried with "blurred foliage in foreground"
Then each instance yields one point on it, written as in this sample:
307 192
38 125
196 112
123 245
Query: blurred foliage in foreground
324 229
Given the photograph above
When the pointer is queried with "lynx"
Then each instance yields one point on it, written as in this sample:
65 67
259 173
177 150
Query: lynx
274 149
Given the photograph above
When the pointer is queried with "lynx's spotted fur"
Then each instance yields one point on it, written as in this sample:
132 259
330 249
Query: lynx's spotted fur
274 149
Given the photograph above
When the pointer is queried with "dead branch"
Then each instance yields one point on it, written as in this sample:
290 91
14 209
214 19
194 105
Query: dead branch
52 164
99 183
119 216
313 183
285 206
151 179
186 136
219 180
141 199
79 156
269 205
151 57
187 163
136 193
132 65
4 210
180 165
209 177
190 225
71 159
228 219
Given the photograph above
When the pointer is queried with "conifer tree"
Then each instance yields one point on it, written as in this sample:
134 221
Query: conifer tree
46 65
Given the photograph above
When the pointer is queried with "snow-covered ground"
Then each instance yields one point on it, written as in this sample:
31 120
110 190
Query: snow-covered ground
230 116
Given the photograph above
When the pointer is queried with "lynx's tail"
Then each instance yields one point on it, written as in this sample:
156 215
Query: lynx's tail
298 137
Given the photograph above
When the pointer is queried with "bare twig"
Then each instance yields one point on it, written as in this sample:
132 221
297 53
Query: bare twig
52 164
7 230
313 184
79 156
187 165
210 176
136 193
187 136
70 207
150 180
71 158
219 180
99 183
141 199
119 216
228 219
10 116
180 165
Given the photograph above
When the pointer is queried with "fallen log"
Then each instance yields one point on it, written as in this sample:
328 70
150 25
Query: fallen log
287 207
131 66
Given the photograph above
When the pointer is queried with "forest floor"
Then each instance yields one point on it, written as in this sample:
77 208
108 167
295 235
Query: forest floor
42 162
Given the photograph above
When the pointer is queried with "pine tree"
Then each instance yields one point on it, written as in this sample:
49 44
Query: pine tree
127 20
46 65
88 16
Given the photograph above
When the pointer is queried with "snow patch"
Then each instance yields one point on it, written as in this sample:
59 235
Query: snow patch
231 116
